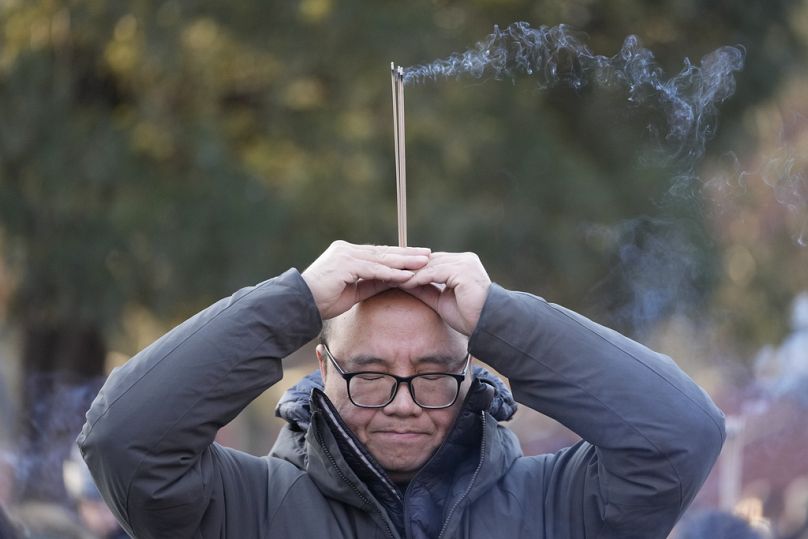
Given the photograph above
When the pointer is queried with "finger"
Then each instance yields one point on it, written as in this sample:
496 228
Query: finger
394 260
441 257
451 269
439 262
438 273
428 294
391 249
396 257
380 272
369 288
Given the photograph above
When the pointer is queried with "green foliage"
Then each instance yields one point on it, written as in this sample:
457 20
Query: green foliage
163 153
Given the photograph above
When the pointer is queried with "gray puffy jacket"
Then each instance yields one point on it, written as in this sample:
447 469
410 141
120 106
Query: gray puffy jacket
650 434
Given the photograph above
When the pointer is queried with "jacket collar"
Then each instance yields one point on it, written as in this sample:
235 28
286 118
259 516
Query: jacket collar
480 452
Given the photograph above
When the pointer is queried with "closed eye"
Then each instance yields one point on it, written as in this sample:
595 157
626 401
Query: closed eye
370 376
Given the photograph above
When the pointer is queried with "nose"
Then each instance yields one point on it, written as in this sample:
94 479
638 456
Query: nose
402 404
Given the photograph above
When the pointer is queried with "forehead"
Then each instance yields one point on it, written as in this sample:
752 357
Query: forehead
442 363
394 328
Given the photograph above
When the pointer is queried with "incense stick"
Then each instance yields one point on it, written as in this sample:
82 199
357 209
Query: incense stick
397 76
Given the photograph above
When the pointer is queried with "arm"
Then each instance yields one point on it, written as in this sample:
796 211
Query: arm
148 439
149 433
652 435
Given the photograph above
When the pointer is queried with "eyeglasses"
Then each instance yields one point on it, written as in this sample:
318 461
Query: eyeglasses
430 390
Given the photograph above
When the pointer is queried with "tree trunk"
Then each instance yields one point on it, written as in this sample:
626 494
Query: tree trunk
62 370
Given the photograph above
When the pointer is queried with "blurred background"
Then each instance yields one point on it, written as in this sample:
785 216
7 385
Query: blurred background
156 155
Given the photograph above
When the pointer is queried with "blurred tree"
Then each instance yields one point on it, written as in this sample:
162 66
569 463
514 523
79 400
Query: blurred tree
163 153
118 185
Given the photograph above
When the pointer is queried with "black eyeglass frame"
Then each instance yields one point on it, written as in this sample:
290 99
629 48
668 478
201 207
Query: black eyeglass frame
459 378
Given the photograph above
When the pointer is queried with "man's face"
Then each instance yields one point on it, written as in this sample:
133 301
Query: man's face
397 334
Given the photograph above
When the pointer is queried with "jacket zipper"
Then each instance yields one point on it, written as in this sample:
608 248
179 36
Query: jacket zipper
471 483
354 487
345 431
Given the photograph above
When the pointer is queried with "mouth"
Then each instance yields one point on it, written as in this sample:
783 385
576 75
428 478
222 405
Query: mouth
401 435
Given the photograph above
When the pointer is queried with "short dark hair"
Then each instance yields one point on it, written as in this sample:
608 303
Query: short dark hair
325 332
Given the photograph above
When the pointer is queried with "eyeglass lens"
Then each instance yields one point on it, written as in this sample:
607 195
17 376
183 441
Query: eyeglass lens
431 390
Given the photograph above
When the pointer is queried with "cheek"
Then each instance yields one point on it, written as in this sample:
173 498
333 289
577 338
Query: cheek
357 419
444 419
335 388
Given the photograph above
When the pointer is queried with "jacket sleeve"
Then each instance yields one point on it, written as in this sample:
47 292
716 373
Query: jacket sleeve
651 435
148 439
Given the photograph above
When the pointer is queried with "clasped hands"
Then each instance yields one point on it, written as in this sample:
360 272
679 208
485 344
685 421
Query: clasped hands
454 285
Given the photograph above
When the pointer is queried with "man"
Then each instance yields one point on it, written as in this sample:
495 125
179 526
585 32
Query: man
403 441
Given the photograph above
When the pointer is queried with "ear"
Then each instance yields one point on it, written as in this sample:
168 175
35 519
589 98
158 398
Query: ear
470 374
321 360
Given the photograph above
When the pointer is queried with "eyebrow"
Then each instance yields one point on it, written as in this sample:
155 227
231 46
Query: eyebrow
362 361
358 362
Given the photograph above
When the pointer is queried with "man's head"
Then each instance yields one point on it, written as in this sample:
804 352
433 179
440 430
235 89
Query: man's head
394 333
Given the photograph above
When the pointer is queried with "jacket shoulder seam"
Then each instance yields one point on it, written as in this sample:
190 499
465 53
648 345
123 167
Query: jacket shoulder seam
633 356
610 409
294 483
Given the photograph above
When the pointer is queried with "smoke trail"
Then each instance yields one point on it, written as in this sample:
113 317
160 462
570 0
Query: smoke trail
54 423
782 174
656 272
554 56
789 186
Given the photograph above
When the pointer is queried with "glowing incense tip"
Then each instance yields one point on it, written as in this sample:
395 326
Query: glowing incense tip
397 78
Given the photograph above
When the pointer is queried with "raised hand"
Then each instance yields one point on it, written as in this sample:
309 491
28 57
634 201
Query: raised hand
346 274
455 285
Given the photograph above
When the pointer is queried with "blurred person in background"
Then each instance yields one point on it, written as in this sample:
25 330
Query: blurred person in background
783 370
92 512
397 435
794 521
6 422
801 533
46 520
6 408
8 530
6 477
719 525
